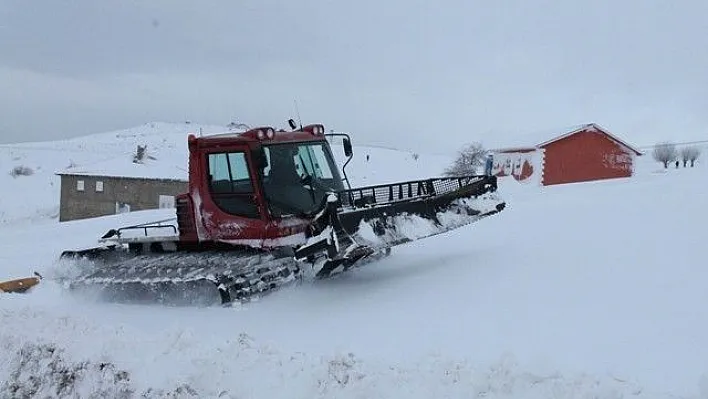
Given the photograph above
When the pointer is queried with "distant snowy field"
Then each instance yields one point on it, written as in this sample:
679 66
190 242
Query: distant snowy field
592 290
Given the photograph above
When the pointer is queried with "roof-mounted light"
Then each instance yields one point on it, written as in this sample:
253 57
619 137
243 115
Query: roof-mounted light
316 130
261 133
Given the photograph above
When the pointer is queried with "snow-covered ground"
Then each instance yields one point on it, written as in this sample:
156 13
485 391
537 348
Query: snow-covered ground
583 290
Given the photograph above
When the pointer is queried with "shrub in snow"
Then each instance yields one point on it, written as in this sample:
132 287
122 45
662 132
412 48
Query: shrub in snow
21 171
665 153
690 154
237 125
43 370
342 369
40 370
469 160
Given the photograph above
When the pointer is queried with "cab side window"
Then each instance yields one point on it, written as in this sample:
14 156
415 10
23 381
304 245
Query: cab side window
230 184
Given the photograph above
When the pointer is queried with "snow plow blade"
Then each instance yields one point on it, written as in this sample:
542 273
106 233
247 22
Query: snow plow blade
361 222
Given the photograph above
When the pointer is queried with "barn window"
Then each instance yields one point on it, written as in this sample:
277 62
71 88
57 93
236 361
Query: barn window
80 185
99 186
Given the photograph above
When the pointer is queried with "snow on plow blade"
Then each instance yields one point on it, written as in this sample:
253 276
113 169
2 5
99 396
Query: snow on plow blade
360 222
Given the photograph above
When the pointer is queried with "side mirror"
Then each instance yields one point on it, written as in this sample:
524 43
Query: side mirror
347 147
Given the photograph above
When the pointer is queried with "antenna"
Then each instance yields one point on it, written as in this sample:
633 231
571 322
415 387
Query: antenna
297 111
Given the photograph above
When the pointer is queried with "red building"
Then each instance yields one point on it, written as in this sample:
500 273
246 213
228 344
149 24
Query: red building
582 153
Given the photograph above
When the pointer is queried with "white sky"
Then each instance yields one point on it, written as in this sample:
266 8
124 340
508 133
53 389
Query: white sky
434 75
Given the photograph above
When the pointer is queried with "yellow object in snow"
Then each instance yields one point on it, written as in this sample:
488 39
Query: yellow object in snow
20 285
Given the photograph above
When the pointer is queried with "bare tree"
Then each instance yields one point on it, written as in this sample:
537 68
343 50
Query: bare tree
21 171
685 152
468 160
690 154
665 153
694 155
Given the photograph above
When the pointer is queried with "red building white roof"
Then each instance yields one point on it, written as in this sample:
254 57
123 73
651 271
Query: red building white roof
539 139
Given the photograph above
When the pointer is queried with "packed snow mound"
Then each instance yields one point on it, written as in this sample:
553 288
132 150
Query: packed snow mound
183 364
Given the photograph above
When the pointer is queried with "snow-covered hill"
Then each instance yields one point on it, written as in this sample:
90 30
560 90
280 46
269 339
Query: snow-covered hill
36 196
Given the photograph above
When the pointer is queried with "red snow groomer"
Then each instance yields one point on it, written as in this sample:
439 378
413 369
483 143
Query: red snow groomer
266 207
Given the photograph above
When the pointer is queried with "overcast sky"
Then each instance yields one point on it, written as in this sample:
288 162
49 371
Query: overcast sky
434 74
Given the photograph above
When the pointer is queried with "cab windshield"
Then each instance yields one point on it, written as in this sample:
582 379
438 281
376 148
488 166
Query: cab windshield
298 176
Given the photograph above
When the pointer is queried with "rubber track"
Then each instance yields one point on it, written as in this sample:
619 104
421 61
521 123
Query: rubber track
244 275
